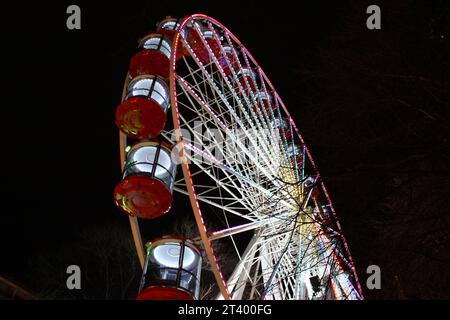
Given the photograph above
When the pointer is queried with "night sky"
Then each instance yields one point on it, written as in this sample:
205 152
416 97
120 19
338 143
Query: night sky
372 106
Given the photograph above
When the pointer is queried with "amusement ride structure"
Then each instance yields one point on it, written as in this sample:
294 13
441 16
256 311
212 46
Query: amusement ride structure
196 101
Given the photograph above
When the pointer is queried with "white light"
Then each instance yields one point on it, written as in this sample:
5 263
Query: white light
142 87
155 43
168 255
144 158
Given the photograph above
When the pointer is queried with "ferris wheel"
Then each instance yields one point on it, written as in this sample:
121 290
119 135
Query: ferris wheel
200 118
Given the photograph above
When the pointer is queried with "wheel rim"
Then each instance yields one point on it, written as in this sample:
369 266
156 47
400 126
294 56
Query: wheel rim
245 112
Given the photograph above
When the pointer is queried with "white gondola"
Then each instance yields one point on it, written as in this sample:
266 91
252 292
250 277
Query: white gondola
153 58
143 112
148 178
153 88
157 42
172 270
169 27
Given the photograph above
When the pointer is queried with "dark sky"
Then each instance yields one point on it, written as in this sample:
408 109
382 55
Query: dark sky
61 161
65 164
